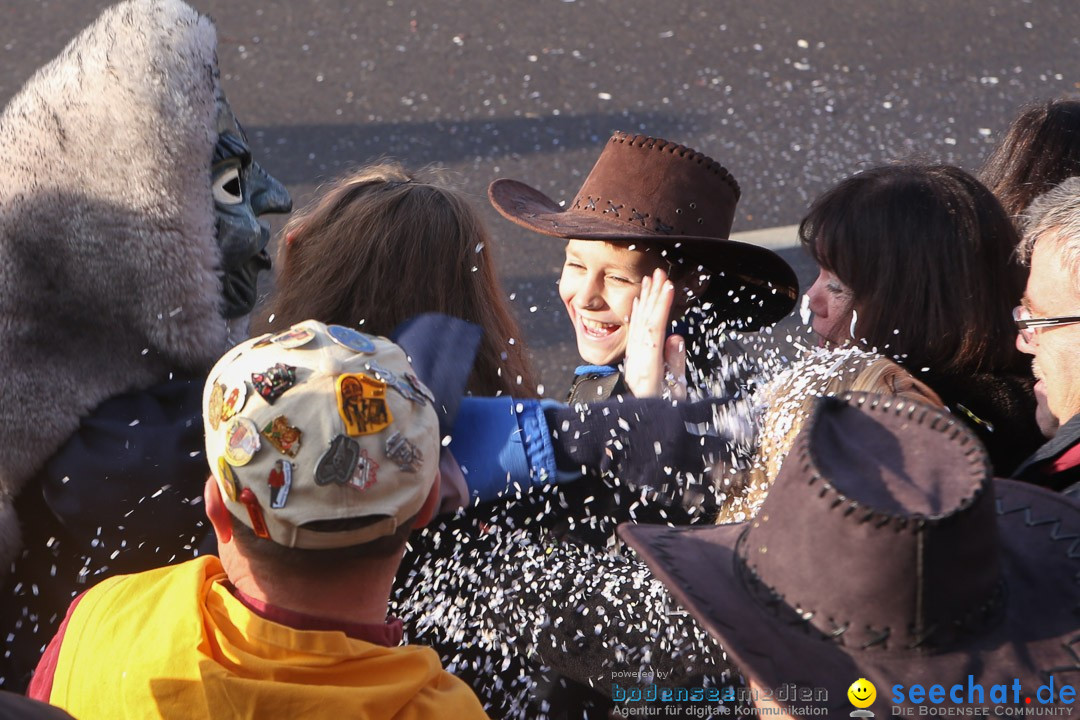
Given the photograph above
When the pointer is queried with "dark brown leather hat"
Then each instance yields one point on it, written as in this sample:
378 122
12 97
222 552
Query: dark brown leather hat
649 190
885 551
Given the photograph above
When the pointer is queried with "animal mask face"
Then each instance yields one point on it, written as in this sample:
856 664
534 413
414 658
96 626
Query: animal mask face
242 192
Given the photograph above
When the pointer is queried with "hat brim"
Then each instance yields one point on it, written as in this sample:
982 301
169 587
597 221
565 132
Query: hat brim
765 284
1037 533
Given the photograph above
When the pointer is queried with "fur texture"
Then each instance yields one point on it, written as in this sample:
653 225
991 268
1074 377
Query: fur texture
107 248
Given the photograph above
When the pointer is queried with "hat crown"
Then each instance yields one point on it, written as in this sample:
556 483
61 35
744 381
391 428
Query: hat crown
648 184
909 529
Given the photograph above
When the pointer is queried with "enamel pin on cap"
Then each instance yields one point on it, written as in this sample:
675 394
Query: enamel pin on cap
241 441
294 337
274 381
362 404
364 475
350 339
284 437
407 456
234 398
338 462
228 479
216 405
280 482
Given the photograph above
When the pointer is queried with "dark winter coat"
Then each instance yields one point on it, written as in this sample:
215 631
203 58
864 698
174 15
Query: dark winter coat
999 407
122 495
1055 465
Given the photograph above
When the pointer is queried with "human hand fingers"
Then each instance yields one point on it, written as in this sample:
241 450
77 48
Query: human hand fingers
644 363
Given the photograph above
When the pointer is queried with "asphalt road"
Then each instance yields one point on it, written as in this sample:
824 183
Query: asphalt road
790 95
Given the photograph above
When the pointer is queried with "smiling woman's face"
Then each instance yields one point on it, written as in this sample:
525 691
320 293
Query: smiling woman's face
598 285
833 307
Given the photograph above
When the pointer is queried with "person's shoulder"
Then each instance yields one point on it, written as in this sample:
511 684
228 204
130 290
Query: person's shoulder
444 694
887 377
455 698
155 582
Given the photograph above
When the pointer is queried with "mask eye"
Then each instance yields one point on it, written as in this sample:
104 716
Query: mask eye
227 190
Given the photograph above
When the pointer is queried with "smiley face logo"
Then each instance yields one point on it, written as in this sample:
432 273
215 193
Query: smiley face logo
862 693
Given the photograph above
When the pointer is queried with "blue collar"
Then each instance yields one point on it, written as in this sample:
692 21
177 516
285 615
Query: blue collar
601 370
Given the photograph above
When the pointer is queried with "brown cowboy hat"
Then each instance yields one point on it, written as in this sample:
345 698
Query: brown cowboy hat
648 190
886 551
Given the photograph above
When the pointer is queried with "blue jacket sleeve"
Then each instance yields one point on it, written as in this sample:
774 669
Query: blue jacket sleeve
503 444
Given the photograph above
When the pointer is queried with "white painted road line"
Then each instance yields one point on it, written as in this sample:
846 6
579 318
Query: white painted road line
774 238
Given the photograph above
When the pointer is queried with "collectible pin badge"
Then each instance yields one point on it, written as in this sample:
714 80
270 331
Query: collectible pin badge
294 337
216 405
403 388
362 404
280 482
350 339
274 381
363 476
241 441
283 436
263 341
258 522
235 397
381 373
421 388
228 479
410 389
338 462
407 456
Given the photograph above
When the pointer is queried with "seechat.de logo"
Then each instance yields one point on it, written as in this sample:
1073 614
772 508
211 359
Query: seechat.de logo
1002 699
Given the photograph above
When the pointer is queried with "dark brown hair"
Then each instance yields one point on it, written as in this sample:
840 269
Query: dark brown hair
383 245
1041 148
927 252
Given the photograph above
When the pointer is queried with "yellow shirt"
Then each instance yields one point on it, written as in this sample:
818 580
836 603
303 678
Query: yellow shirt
175 643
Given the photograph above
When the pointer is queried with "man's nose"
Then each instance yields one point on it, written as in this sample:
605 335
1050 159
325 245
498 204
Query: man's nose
1023 345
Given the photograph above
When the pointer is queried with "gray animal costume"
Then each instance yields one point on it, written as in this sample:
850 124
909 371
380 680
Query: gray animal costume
111 304
108 262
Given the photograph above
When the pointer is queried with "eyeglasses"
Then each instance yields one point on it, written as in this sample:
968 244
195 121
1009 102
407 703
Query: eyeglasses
1027 324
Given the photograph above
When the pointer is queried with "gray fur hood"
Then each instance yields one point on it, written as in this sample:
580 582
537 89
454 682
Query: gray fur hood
108 254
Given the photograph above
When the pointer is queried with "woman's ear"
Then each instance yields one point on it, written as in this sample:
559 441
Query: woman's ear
290 237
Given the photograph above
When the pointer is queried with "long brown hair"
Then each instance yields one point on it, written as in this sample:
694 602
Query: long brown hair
928 253
382 245
1041 148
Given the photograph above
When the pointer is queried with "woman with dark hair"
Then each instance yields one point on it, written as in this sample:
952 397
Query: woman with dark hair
921 259
913 299
413 246
1041 148
917 265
